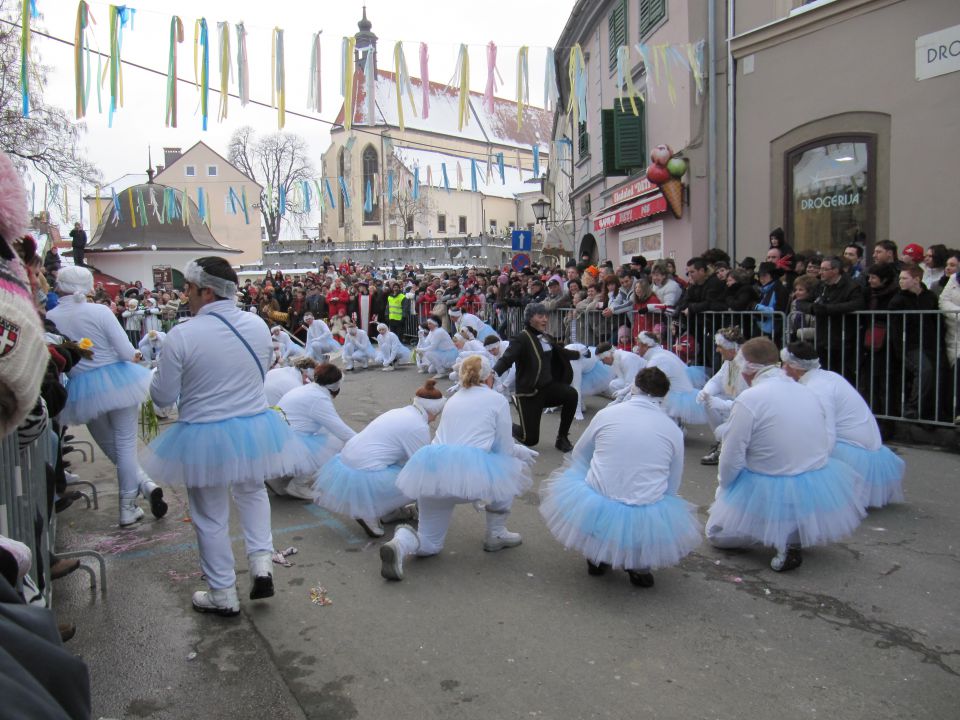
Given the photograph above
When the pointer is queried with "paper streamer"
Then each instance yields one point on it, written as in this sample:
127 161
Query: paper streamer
491 77
313 89
201 66
119 17
577 68
648 69
305 192
201 204
624 79
416 183
368 198
116 206
523 82
176 37
501 169
185 206
370 87
429 176
243 68
459 177
81 58
282 200
536 161
98 205
326 184
226 66
345 190
404 86
550 92
278 83
424 81
462 76
473 175
133 215
346 79
29 10
446 178
390 187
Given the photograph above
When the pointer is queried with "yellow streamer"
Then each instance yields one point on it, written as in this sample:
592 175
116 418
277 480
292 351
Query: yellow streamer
463 117
661 51
225 67
695 68
99 207
196 50
133 215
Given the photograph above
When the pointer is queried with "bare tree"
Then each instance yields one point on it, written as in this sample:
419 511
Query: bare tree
408 210
276 161
48 141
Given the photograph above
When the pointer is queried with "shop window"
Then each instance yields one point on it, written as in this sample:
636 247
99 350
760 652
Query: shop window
830 189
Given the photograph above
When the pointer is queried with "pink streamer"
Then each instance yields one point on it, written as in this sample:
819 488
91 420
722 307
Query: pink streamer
491 76
425 80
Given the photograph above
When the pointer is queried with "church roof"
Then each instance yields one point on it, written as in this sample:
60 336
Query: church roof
498 127
120 235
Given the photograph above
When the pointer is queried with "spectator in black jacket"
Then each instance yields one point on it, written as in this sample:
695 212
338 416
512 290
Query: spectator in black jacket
705 293
918 340
836 326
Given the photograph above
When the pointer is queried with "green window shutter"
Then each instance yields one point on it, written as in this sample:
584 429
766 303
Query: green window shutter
629 137
617 26
609 144
651 13
583 139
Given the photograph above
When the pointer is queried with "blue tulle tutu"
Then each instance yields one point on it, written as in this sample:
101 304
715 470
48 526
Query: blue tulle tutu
609 531
235 451
468 473
596 380
358 493
881 470
446 358
682 405
823 505
698 375
92 393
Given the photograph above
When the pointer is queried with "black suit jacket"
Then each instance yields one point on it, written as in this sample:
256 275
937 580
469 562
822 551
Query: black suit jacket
526 352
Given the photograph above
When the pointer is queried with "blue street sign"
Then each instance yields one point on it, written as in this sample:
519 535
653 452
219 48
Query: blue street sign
522 240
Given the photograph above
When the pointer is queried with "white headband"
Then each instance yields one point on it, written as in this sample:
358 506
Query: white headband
605 353
430 405
196 275
647 339
792 360
721 341
755 368
332 387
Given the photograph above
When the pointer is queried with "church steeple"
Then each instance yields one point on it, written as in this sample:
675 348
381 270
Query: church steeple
366 41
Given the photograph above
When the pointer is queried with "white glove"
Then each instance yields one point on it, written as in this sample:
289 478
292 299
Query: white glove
704 398
525 454
622 395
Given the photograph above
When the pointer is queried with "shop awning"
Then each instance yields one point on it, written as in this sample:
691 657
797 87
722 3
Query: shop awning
631 213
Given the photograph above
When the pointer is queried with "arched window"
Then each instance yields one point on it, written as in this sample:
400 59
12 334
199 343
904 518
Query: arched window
370 169
340 173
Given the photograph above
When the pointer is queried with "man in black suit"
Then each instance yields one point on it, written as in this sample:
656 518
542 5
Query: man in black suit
544 375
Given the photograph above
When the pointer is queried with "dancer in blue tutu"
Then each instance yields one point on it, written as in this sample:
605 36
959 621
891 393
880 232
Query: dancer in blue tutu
390 351
320 344
310 411
621 509
472 458
105 392
437 348
858 442
227 441
775 491
361 481
722 389
681 402
624 365
479 328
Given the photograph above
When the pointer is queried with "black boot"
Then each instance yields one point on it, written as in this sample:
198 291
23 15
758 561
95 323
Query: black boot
563 444
596 570
641 578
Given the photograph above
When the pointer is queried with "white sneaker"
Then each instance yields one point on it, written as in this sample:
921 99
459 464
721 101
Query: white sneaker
389 368
348 368
71 476
130 512
422 370
501 539
391 553
219 602
441 376
154 495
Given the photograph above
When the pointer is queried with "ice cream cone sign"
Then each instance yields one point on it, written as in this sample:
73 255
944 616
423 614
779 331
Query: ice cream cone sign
665 171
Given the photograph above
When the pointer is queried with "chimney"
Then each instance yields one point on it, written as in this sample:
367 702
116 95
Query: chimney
160 169
170 156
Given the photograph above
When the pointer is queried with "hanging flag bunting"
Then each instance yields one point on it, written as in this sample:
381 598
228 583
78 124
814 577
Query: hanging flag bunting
313 89
492 75
29 10
368 198
536 160
201 66
185 205
370 87
243 205
133 214
243 69
346 80
462 76
578 85
446 178
424 81
176 37
459 177
318 194
390 188
98 205
278 85
226 67
305 193
523 82
473 175
403 82
648 69
661 59
345 190
416 183
116 206
142 209
550 92
326 184
282 199
503 176
201 204
81 58
624 78
120 16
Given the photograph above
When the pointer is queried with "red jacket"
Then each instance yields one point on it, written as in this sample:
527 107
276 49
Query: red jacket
337 299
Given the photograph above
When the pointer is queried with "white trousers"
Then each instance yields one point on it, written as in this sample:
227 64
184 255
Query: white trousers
210 511
435 515
729 541
319 347
116 434
396 355
354 353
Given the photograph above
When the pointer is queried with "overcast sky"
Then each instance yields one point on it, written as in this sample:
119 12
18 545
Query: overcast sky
442 25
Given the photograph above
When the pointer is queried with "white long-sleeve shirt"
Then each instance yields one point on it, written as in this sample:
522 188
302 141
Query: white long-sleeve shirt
634 451
626 365
280 381
477 417
437 340
846 410
389 345
672 367
309 409
318 330
726 385
777 427
669 293
78 320
210 370
388 440
357 344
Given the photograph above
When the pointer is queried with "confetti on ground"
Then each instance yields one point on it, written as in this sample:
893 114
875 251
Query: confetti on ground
735 579
318 596
191 656
122 541
178 576
280 556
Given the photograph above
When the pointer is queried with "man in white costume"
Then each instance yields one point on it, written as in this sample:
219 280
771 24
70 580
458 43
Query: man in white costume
438 349
281 380
625 365
227 441
390 351
357 350
320 342
151 344
776 491
681 401
283 345
857 436
722 389
480 329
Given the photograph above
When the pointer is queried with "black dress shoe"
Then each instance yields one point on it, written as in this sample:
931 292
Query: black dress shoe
597 569
641 579
563 444
66 500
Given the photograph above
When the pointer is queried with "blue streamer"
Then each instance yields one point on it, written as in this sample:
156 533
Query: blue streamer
326 184
503 177
473 174
446 179
416 183
233 205
390 188
345 190
306 195
368 199
536 161
116 205
283 200
202 204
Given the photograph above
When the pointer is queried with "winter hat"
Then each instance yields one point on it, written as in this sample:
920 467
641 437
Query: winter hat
74 280
914 252
14 217
428 398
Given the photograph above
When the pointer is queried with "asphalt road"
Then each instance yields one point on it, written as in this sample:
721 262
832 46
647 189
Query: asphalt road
864 629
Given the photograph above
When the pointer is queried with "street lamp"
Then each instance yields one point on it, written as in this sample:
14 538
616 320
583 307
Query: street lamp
540 209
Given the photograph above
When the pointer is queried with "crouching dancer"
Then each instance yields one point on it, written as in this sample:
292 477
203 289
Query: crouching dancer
621 509
775 491
227 440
